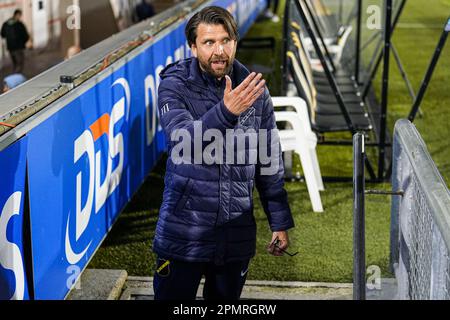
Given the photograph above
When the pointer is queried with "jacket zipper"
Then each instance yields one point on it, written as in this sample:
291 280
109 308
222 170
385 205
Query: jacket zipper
220 194
220 169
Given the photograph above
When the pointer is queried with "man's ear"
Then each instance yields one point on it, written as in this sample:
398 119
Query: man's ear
194 50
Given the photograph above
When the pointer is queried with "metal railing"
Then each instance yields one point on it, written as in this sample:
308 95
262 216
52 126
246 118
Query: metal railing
420 220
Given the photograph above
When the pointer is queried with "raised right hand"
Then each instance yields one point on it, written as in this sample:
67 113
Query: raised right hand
242 97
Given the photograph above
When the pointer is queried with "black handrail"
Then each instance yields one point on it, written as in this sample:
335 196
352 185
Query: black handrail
359 250
429 73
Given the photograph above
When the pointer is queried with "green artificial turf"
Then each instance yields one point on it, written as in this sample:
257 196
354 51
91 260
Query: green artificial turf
324 241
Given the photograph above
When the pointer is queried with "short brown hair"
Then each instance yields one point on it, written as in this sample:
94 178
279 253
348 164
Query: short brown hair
211 15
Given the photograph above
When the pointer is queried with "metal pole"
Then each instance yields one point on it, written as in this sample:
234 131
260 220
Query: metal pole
385 90
341 12
346 62
398 15
403 72
380 56
284 68
377 52
359 254
372 72
358 41
385 193
351 15
319 34
429 73
370 40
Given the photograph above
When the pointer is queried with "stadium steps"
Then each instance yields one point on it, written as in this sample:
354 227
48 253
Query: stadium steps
141 288
96 284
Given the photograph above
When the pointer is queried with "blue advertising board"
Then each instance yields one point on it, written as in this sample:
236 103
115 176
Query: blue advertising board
245 12
13 280
97 151
248 12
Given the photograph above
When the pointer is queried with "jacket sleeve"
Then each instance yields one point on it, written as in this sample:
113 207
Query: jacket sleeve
3 32
25 35
174 115
270 176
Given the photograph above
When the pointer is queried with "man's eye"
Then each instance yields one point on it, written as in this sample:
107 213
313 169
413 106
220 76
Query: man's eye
209 43
226 41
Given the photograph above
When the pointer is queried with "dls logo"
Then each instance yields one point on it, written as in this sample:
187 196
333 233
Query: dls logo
10 255
99 189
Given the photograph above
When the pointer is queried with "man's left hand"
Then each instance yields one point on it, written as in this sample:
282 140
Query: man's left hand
283 244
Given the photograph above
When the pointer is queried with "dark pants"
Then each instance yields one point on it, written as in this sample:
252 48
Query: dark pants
179 280
275 8
18 59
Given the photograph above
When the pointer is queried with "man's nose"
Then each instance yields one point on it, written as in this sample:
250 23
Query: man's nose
218 49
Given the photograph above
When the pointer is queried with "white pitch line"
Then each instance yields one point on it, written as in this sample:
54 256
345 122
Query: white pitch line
419 26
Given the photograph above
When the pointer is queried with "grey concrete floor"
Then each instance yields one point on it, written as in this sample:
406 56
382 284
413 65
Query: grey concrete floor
137 288
117 285
36 61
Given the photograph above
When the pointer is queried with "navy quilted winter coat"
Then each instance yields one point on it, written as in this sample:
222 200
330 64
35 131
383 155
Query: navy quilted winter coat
207 210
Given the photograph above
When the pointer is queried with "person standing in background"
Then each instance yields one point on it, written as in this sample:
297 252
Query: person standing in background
16 35
271 14
144 10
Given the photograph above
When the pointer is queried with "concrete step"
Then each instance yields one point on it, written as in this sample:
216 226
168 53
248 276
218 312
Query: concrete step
141 288
97 284
117 285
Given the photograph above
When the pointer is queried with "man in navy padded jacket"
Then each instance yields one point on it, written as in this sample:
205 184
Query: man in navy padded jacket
208 105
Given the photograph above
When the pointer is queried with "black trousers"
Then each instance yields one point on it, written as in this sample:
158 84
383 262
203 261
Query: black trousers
275 7
179 280
18 59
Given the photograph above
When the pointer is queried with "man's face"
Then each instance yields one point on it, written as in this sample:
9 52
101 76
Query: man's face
214 49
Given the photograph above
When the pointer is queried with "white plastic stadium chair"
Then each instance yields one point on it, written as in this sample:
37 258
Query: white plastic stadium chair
302 140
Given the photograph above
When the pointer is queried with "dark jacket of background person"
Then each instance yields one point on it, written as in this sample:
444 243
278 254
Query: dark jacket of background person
207 210
144 11
15 33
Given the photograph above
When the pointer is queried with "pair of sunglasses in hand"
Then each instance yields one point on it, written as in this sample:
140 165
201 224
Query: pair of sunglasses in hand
276 244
